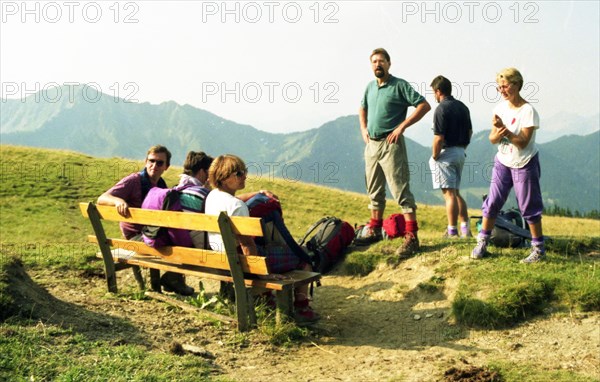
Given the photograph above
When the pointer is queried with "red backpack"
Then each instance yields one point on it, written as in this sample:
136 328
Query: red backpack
394 226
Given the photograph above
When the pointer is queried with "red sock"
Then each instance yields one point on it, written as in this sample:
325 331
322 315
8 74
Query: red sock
412 226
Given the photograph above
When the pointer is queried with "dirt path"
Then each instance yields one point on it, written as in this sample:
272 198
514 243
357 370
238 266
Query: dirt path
379 327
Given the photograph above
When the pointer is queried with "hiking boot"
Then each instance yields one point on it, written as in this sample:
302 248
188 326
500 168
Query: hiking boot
480 250
538 253
175 282
303 313
369 235
409 247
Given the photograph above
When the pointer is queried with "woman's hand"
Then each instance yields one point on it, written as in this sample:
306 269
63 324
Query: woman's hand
499 131
497 121
269 194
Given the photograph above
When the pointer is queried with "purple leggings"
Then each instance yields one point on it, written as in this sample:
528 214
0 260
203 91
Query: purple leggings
526 182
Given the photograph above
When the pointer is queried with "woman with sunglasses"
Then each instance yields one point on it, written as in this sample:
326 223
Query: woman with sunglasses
227 175
516 165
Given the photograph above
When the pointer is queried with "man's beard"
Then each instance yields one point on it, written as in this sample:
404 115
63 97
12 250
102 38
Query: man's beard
379 73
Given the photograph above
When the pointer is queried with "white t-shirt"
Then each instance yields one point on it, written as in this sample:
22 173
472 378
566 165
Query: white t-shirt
218 201
516 119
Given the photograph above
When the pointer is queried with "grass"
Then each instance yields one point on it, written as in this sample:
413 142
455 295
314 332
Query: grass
493 293
433 285
35 352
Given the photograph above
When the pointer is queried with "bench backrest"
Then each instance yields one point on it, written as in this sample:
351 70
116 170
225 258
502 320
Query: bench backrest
236 225
247 226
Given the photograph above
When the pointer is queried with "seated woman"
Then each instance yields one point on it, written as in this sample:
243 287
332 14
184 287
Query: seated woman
227 175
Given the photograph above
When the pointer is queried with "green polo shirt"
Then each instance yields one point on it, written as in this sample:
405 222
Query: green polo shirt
387 105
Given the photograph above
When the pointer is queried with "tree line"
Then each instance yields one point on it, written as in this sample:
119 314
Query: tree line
556 210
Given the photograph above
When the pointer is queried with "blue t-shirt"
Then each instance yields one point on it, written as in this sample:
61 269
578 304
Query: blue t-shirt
452 120
387 105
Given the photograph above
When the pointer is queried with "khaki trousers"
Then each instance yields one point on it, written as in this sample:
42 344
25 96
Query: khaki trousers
388 163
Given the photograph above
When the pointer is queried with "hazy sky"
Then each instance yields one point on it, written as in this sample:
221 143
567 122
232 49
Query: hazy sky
290 66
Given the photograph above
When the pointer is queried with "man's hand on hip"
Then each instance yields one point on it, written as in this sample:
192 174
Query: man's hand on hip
394 135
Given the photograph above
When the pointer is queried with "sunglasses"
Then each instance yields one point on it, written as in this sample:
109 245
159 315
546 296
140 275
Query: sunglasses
157 162
239 174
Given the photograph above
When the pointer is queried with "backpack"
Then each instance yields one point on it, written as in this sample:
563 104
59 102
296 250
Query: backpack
510 230
393 226
328 245
261 205
187 198
274 229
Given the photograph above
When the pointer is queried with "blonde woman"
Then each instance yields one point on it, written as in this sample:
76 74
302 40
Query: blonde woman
227 175
516 165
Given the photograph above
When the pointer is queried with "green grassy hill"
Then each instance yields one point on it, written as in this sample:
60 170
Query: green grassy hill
40 189
41 225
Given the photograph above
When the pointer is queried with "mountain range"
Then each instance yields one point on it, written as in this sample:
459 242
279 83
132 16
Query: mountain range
330 155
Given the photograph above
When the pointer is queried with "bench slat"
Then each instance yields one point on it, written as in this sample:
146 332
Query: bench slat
292 278
256 265
241 225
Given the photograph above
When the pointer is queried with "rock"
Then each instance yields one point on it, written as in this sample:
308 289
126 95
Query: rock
515 346
416 317
428 315
198 351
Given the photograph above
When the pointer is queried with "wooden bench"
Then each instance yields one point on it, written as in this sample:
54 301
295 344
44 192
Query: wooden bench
248 274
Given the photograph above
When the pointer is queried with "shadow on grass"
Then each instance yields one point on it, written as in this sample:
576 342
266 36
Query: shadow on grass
22 300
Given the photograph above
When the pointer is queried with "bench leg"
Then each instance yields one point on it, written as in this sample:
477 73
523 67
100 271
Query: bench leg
111 279
155 280
284 305
137 273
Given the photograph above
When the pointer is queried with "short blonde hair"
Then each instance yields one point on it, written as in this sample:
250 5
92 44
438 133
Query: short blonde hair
511 75
222 167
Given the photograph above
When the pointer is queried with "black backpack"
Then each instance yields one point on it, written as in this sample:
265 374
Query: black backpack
327 246
510 230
